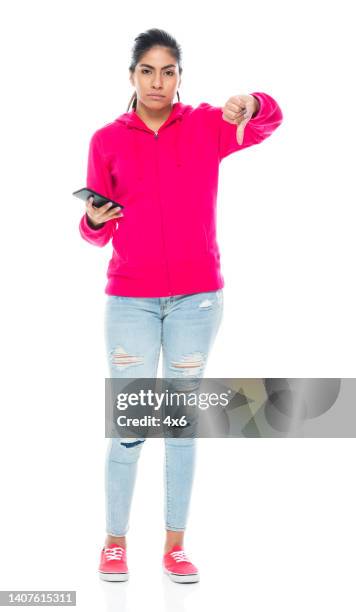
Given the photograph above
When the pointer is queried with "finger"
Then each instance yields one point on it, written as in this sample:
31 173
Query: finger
232 116
240 132
235 115
90 210
240 100
239 117
116 213
89 203
102 210
112 214
106 206
111 208
234 107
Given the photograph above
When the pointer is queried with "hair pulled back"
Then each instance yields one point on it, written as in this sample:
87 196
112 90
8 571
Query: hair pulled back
143 43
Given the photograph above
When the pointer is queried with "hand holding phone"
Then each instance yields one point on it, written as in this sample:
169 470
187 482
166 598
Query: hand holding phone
98 216
98 208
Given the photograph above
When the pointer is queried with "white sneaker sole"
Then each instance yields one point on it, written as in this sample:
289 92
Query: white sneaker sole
113 577
183 578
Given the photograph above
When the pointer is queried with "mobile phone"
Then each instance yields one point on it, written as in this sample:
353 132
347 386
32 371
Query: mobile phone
99 200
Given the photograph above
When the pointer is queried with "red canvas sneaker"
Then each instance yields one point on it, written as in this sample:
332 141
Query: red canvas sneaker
113 565
178 567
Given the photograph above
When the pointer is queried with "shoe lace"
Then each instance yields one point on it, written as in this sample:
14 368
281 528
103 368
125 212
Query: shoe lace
115 552
179 555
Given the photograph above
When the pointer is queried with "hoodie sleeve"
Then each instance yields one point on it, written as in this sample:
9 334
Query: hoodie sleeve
260 126
98 179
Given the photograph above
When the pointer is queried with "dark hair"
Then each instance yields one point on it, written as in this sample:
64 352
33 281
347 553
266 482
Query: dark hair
144 42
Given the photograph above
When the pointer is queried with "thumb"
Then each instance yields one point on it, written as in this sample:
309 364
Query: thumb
240 132
240 129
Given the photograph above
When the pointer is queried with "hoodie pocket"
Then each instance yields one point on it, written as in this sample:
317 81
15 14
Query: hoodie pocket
210 243
120 248
206 239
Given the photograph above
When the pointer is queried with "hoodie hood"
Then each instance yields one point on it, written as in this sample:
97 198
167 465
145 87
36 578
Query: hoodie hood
132 121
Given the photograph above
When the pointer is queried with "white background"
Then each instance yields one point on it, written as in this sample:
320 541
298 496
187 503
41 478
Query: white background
272 524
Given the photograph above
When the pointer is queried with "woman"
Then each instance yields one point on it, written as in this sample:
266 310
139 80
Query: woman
165 287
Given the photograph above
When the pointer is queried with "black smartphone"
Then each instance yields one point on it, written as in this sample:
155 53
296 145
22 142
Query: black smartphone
99 200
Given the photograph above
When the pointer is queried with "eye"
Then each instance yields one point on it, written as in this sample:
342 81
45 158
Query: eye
144 70
170 72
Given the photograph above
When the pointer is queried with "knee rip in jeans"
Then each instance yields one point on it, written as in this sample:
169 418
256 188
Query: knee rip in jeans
121 359
130 442
190 365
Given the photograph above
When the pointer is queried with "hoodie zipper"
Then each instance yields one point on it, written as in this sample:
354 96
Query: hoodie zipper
156 137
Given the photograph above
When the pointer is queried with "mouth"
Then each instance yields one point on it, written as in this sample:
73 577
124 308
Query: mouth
156 96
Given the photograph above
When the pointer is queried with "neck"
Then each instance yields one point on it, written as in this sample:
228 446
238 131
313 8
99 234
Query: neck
152 115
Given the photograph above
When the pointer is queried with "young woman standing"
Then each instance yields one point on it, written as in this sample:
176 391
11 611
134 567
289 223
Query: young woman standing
165 288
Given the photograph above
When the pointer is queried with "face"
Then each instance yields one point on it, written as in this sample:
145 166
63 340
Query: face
156 73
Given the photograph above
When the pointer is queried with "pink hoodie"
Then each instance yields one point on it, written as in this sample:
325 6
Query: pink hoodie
167 180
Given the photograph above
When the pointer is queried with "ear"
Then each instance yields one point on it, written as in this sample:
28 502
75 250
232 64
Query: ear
131 79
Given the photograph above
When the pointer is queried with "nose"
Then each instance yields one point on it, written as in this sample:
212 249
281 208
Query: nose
157 81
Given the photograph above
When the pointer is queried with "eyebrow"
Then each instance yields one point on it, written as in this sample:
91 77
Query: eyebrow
168 66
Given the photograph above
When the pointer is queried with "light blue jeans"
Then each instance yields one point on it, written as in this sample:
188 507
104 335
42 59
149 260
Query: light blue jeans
135 329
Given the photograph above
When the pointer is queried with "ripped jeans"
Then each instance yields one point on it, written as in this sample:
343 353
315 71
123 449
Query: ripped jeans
135 329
